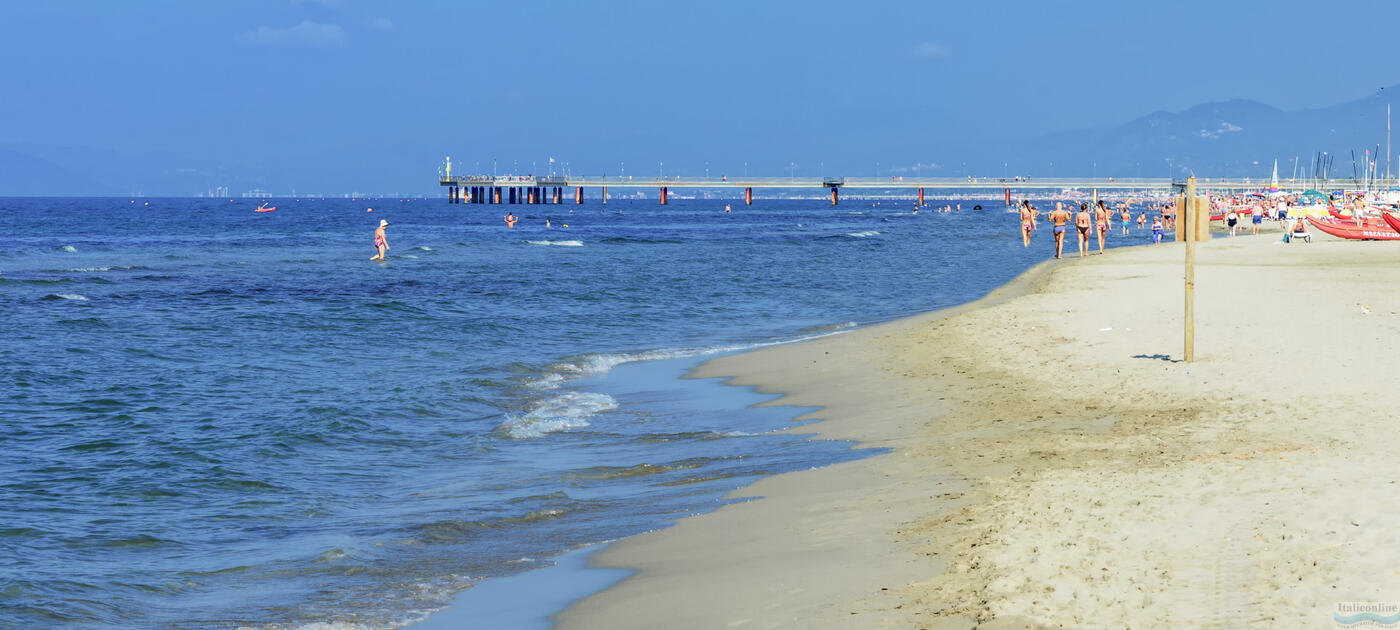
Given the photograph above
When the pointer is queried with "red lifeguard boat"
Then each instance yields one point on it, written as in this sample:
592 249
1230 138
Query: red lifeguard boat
1353 232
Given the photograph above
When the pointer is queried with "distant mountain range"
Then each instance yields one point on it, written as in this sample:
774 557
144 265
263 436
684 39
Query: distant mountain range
1237 138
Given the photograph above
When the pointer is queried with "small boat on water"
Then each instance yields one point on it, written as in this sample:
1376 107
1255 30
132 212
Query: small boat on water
1349 230
263 207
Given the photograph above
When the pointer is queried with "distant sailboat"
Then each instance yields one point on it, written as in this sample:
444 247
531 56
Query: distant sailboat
1273 183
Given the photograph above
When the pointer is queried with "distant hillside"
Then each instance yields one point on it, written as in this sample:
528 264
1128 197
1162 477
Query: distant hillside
22 174
1238 138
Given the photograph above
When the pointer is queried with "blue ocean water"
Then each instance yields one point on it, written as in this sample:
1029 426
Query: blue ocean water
216 418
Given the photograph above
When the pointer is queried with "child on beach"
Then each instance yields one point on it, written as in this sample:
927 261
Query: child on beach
1156 230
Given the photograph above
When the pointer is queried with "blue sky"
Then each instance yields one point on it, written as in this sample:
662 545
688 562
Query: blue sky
340 94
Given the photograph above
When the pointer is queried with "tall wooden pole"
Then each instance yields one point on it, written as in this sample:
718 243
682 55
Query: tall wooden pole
1190 232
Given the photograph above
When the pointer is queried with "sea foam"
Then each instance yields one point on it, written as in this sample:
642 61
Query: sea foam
558 243
557 413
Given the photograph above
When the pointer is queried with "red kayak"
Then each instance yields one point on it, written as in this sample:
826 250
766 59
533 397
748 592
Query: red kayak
1349 230
273 208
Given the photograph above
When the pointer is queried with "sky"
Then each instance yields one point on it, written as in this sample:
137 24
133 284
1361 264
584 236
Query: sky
372 95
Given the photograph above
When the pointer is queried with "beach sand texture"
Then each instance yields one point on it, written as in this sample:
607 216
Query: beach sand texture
1053 464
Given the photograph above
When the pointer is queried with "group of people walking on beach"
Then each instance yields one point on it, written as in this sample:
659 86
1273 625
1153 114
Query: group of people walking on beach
1097 219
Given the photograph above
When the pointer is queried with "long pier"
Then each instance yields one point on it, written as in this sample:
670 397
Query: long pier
550 189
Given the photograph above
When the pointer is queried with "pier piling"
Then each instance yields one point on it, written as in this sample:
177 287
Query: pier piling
833 195
921 196
663 195
748 196
578 195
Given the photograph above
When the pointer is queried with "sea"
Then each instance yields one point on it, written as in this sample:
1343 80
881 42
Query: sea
215 418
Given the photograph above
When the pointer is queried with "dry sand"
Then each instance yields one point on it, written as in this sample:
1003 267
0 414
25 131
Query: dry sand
1053 464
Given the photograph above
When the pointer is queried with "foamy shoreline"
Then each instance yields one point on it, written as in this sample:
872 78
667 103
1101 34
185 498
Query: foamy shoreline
1053 465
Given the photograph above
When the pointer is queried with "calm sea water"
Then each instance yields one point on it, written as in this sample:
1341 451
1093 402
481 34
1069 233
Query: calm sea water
215 418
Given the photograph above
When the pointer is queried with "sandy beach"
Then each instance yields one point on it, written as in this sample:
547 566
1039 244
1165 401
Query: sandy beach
1050 462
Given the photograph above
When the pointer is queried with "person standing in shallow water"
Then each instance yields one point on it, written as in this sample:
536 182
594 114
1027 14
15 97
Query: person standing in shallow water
1027 223
1059 218
1082 222
381 242
510 219
1101 222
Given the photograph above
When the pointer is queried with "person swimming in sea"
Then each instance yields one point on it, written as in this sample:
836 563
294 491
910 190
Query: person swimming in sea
510 219
381 242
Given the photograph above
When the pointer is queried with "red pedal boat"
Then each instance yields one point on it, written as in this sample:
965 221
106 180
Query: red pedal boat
1391 220
1349 230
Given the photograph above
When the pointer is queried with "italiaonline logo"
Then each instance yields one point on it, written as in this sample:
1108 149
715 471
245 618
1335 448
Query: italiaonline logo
1367 614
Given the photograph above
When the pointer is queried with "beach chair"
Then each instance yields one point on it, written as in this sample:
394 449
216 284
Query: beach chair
1289 236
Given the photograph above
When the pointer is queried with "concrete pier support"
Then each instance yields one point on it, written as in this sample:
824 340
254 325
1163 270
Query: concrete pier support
663 195
534 195
833 195
558 195
513 195
921 196
578 195
497 195
605 195
451 194
748 196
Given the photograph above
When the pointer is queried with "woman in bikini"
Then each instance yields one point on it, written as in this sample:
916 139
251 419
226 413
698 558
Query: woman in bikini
1027 223
1082 223
1101 222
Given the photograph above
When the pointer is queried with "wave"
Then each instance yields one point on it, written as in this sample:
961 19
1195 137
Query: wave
558 243
65 296
68 248
558 413
588 365
96 269
423 248
865 234
648 241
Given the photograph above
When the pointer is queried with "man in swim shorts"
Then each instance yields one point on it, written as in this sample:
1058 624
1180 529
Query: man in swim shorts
510 219
1125 217
381 244
1082 222
1059 217
1256 217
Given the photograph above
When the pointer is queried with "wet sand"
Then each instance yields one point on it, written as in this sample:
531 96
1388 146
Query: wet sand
1052 463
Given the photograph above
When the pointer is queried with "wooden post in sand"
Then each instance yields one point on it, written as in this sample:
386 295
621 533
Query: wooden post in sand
1190 211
